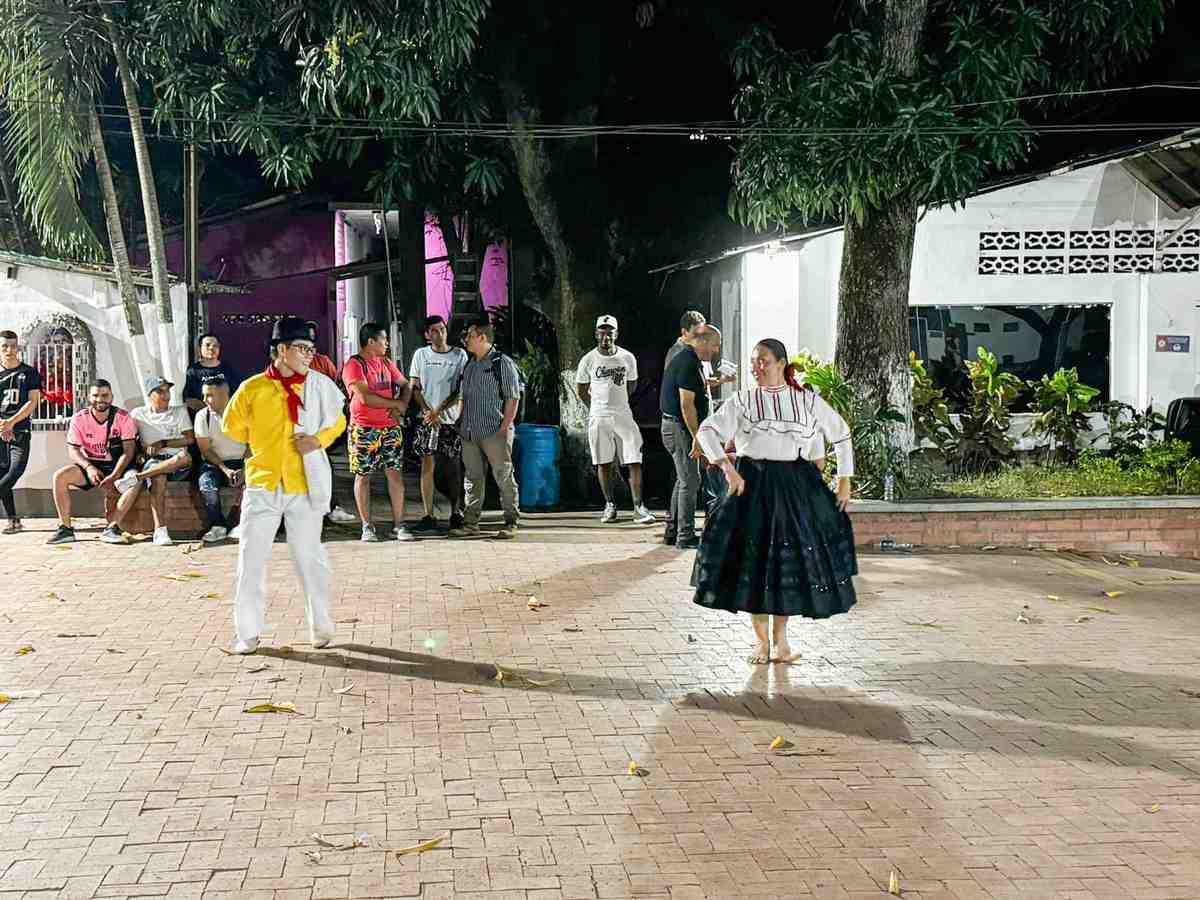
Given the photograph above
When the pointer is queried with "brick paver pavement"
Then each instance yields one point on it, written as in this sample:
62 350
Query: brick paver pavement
931 732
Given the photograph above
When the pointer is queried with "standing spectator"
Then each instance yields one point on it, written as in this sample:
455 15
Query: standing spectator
223 459
689 324
323 364
101 444
207 368
166 434
379 395
436 371
684 403
20 393
491 393
605 379
287 415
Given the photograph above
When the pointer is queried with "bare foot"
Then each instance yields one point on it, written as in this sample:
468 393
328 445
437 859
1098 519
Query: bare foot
783 653
761 655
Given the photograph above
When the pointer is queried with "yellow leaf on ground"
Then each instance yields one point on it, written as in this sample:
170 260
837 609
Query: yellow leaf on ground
1109 562
780 743
499 676
1053 598
191 548
535 603
423 846
1113 595
211 597
24 651
1154 808
345 689
453 587
286 648
182 576
503 590
542 683
635 769
53 596
894 884
271 708
4 698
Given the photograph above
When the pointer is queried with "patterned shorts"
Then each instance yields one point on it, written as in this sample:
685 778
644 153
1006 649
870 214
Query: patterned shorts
372 449
449 442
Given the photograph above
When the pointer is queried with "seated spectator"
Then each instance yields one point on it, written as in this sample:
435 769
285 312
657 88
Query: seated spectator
223 459
101 444
206 369
166 434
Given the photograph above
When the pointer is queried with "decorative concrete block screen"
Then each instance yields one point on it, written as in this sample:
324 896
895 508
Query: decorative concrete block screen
1086 251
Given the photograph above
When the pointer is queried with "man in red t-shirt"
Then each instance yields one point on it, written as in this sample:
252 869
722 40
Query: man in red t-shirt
379 396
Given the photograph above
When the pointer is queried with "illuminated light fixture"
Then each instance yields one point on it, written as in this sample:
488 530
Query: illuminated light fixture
377 215
773 247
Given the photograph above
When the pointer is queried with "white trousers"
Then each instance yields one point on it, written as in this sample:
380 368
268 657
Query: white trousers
261 513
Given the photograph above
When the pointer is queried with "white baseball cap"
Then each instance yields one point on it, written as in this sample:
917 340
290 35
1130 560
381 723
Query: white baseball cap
607 322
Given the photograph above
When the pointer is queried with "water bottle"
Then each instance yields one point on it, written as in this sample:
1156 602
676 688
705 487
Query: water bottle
431 443
889 488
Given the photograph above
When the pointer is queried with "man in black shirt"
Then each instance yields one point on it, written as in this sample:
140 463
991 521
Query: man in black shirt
684 404
20 393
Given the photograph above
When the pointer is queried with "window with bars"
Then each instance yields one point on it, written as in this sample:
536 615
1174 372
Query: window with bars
63 364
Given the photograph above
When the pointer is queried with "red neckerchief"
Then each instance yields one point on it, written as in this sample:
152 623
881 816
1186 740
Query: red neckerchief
293 399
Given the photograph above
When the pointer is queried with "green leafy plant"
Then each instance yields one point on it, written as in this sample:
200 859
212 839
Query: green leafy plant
1129 431
541 383
985 444
827 380
1170 463
1061 404
931 415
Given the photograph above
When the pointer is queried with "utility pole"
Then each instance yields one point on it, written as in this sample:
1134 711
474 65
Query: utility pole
191 240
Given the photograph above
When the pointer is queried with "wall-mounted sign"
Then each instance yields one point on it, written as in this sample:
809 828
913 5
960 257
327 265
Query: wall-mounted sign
1173 343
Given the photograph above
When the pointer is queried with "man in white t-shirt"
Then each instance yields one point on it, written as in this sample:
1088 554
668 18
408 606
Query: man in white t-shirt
166 434
605 379
436 371
224 458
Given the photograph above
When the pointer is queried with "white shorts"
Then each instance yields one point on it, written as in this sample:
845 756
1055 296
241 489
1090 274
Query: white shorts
606 434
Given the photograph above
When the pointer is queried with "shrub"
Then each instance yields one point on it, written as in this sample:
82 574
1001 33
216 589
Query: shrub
1060 412
931 415
985 444
1129 431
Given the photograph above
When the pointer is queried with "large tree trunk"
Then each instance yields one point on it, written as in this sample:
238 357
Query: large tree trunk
116 240
873 332
580 289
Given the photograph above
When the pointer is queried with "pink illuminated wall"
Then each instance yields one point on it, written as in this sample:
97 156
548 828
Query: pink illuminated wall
439 279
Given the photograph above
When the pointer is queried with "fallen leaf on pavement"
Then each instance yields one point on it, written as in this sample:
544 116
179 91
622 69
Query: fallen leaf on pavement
70 635
314 856
503 590
1195 695
191 548
1113 595
573 630
61 547
781 743
286 648
894 884
261 668
499 676
635 769
345 689
4 698
422 847
111 650
1082 619
543 683
924 624
358 841
1109 562
1153 808
346 621
1101 609
1053 598
453 587
24 651
471 691
1021 618
213 596
182 576
535 603
53 596
1131 561
271 708
988 547
276 679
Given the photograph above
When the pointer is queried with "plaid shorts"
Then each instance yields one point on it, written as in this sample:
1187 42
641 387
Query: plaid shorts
372 449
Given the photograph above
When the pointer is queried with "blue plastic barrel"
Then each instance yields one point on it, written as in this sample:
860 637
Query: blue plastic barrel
535 455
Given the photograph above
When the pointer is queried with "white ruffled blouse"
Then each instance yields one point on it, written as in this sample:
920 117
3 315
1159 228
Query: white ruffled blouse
778 423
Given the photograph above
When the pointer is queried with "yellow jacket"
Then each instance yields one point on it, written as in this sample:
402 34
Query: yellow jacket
258 417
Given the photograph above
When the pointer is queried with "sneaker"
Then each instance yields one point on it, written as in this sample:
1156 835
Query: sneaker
426 525
245 648
235 533
215 535
643 516
688 543
465 531
401 533
339 516
63 535
456 520
113 535
610 513
162 537
126 483
14 527
321 641
368 534
669 538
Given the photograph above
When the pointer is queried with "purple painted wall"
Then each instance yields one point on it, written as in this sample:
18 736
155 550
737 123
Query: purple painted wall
439 279
260 246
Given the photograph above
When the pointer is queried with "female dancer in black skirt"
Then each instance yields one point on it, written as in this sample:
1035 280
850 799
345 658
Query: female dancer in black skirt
779 544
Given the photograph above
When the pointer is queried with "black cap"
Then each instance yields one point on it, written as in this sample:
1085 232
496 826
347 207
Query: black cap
291 328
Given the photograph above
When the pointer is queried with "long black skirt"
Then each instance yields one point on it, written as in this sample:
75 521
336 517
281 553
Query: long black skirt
782 547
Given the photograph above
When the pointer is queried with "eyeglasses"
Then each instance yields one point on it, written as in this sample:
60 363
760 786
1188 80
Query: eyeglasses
306 349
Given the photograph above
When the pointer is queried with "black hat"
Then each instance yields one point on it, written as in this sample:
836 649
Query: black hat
291 328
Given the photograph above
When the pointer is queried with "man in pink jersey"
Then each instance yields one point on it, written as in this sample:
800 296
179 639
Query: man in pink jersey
379 396
101 444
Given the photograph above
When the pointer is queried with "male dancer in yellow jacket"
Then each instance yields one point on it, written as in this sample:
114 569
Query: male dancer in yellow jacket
287 416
